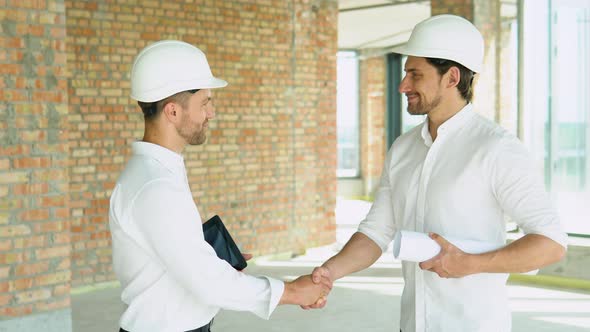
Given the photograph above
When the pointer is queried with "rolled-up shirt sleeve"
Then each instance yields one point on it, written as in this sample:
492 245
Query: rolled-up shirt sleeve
519 189
379 223
170 223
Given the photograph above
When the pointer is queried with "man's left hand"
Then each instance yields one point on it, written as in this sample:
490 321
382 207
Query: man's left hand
247 257
450 262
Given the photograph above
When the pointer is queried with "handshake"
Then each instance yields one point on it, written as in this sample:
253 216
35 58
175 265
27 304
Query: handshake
309 291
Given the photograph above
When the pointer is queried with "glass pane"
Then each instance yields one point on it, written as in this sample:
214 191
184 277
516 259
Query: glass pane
568 125
347 86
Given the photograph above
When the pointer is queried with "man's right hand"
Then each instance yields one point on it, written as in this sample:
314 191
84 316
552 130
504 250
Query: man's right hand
320 274
304 291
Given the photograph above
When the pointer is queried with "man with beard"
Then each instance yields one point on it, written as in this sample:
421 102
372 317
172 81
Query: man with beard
454 176
171 277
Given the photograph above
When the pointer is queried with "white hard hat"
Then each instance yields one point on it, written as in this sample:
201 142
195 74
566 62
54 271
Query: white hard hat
447 37
167 67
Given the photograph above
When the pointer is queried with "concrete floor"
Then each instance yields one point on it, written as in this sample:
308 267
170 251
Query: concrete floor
366 301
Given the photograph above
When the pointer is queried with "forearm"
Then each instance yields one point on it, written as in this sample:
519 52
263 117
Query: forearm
359 253
530 252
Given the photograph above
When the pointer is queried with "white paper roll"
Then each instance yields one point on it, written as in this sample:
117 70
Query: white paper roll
419 247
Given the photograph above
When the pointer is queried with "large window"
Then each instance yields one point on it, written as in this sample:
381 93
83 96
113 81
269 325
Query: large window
567 127
557 85
348 114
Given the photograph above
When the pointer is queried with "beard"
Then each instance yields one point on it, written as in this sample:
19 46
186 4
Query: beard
193 136
424 106
198 138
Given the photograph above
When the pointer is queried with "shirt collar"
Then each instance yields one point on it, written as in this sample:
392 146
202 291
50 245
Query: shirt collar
455 122
170 159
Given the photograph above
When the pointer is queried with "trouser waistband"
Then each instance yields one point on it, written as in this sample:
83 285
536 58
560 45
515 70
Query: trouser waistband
206 328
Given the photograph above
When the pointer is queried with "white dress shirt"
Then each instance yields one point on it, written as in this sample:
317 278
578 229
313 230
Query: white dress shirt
171 278
461 185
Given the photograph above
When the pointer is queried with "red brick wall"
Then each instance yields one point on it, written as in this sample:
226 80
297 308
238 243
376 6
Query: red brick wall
67 122
269 166
373 117
34 215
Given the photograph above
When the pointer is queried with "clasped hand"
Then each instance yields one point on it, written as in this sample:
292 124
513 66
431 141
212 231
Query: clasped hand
306 292
451 262
320 276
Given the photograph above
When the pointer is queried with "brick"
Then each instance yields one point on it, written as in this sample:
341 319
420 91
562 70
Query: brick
11 257
36 241
52 252
34 215
44 175
50 226
11 203
4 218
31 268
5 244
21 284
54 305
4 286
14 177
77 153
30 189
32 135
63 213
59 277
62 290
49 18
14 230
16 311
32 296
38 162
52 201
5 299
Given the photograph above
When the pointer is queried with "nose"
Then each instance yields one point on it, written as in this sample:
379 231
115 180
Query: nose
211 111
404 85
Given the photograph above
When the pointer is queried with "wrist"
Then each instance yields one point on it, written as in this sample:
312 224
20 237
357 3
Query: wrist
476 263
331 271
288 294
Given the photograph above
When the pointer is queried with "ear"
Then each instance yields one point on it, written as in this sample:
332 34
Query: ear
172 112
454 77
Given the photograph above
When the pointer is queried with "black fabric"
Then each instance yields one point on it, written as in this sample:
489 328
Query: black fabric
218 237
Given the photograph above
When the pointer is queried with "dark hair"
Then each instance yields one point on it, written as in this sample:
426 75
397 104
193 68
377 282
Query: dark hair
151 110
465 85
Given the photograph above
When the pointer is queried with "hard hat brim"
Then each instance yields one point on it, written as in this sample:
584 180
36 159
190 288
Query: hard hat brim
215 83
436 53
148 96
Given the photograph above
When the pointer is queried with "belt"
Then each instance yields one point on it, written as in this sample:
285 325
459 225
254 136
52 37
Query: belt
206 328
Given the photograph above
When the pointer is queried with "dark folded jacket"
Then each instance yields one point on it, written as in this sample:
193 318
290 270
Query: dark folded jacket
218 237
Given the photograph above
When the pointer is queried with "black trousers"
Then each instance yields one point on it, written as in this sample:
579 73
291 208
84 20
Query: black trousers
206 328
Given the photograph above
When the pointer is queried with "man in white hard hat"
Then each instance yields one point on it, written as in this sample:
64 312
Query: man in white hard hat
172 279
454 176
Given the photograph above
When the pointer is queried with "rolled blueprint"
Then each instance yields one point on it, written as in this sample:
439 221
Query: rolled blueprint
419 247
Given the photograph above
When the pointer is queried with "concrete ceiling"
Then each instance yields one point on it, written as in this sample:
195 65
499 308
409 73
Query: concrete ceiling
378 25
